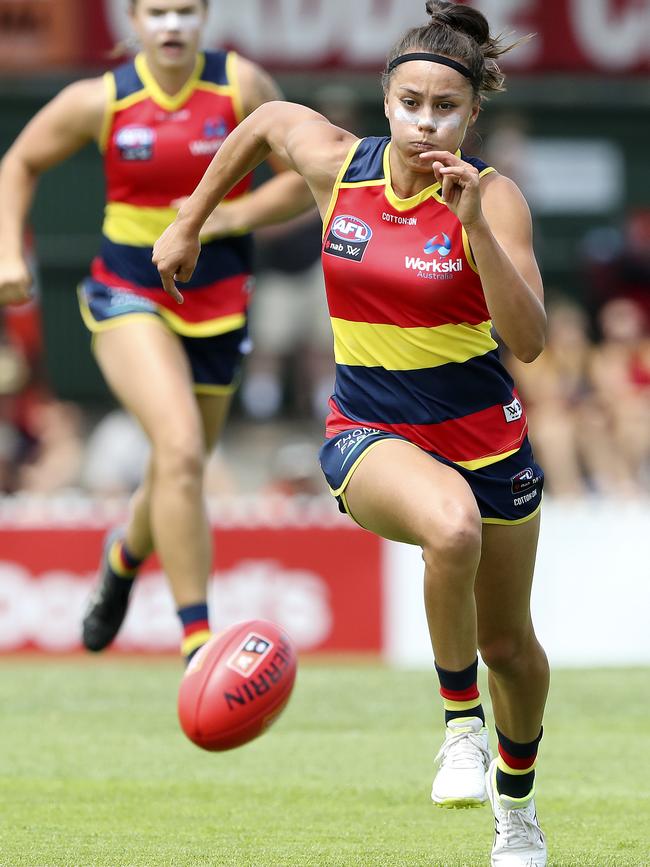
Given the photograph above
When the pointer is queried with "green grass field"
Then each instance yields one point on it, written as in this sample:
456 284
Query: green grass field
94 770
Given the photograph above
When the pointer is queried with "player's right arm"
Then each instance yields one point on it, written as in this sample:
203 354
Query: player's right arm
72 119
302 138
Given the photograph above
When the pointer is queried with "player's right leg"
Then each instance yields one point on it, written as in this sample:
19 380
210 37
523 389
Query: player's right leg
402 493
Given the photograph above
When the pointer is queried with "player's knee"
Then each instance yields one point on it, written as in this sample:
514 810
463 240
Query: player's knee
179 457
455 536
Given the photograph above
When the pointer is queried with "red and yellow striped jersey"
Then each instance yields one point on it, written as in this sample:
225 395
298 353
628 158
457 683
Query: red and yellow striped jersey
156 148
413 338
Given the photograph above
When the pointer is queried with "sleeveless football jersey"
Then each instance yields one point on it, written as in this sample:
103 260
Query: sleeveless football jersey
156 149
412 333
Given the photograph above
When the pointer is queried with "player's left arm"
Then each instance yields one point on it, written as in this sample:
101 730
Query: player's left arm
281 197
501 239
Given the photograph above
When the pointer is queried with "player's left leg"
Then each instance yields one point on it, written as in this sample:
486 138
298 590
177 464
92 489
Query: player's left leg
183 541
518 679
194 617
214 412
126 549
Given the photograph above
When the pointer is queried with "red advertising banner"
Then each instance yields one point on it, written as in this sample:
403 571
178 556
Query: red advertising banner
39 33
573 36
322 584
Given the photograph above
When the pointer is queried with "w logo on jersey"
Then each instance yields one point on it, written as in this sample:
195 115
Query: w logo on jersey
439 244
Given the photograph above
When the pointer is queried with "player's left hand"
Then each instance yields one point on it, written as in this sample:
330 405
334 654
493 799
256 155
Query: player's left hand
460 184
175 254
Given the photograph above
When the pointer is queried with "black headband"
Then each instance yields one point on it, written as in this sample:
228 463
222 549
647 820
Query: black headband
434 58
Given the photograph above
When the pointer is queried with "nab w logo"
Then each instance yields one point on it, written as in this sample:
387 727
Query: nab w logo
348 228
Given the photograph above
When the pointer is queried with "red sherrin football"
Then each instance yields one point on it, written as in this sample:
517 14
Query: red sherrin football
236 685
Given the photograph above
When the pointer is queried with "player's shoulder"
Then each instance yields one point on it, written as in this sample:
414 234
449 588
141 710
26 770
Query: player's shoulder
245 66
87 90
255 84
84 99
500 187
503 202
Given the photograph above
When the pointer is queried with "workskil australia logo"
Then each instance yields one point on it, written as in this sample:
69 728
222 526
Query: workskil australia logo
348 238
439 244
214 135
438 268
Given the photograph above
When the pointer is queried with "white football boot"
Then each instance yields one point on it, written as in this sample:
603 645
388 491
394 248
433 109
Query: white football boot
518 839
464 758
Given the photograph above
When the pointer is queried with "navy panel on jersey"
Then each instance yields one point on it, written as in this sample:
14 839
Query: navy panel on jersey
214 69
127 80
368 161
424 396
225 257
474 161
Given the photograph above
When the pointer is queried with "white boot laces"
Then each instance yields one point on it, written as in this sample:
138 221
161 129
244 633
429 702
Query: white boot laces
460 750
519 826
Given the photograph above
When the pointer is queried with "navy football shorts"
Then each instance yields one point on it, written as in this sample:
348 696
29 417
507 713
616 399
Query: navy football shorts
507 492
215 360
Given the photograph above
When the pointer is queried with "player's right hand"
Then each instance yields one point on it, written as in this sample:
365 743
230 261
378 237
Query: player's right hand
15 281
175 254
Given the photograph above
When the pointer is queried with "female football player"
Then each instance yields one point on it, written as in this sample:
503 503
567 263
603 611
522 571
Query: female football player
158 120
425 251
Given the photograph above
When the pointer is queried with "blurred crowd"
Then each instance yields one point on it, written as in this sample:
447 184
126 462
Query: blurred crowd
588 400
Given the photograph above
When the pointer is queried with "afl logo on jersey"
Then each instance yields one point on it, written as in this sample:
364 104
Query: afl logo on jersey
351 229
135 142
348 238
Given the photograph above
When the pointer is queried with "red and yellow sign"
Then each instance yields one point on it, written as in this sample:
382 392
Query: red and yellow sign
570 36
38 34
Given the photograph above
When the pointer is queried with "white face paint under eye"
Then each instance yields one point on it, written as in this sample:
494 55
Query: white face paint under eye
404 115
443 123
173 22
449 122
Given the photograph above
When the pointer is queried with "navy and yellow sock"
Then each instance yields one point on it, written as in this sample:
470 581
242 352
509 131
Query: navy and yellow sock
196 629
121 567
515 776
459 691
121 562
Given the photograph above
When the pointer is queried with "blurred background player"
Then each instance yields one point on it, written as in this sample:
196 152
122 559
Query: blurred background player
426 437
157 120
